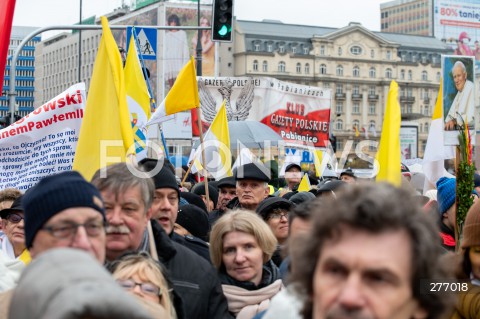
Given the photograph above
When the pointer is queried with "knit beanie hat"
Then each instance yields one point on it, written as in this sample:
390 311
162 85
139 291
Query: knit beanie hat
194 220
471 228
165 178
445 193
54 194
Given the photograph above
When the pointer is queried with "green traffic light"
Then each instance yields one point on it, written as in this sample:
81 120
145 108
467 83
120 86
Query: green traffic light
223 30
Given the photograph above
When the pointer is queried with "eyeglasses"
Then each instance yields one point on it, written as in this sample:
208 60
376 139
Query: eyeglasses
93 229
146 287
278 215
14 218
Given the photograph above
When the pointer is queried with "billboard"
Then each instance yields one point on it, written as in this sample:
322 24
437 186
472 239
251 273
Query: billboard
409 141
458 96
457 23
298 113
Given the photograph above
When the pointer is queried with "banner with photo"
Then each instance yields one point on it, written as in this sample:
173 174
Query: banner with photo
298 113
43 142
458 96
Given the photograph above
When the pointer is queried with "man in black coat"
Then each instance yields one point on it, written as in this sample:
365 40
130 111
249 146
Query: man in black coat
128 199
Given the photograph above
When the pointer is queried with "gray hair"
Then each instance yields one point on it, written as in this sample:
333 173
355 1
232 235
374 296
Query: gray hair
120 177
461 65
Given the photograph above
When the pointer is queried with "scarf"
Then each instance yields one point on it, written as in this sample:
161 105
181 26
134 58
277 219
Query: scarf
270 274
245 304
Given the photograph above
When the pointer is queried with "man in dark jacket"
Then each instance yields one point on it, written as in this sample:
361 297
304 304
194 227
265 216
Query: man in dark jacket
252 186
165 207
227 190
128 199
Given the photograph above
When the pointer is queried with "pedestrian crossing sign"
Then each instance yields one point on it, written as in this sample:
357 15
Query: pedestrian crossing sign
147 41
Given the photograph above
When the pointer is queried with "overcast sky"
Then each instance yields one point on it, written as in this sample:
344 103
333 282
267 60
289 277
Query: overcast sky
328 13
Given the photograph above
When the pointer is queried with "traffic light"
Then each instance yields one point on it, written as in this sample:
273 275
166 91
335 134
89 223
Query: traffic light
222 20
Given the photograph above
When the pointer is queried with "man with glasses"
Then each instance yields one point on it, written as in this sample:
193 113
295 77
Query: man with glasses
62 210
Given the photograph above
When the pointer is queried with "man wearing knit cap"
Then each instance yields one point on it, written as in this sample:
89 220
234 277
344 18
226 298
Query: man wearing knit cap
64 210
130 201
227 191
251 184
446 206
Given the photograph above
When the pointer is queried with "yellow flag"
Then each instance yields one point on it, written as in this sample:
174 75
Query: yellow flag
106 133
217 147
388 155
317 162
138 98
182 96
304 185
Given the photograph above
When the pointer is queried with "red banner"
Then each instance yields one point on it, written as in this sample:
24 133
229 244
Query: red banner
7 7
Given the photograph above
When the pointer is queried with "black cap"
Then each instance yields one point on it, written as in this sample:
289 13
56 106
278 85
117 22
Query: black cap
16 207
254 171
289 166
194 199
270 203
164 178
348 172
227 182
195 220
330 185
199 189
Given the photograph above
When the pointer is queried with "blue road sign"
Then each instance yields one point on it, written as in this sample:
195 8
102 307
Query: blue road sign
147 38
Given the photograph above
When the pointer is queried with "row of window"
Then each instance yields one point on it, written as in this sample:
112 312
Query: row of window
28 63
356 50
20 72
356 123
269 47
372 108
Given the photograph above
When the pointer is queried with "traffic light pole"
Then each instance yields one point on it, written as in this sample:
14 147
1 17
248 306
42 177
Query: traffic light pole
12 94
199 43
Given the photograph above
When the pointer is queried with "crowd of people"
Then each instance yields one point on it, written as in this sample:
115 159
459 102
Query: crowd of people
137 242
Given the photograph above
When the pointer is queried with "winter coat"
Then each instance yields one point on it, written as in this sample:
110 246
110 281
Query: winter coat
193 278
468 304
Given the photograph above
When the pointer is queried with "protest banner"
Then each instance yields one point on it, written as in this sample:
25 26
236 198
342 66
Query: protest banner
298 113
43 142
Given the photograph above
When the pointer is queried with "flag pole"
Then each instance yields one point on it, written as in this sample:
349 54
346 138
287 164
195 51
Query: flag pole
204 162
186 174
147 80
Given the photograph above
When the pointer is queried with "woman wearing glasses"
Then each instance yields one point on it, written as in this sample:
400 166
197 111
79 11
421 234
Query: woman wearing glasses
241 245
13 239
274 211
144 277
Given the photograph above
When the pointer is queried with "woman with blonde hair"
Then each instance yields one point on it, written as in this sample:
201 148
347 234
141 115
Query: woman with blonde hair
144 277
241 247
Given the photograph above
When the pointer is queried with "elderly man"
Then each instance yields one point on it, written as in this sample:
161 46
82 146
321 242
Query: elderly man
62 210
252 186
365 256
462 108
128 203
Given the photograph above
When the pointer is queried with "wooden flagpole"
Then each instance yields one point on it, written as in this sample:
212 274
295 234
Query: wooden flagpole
204 162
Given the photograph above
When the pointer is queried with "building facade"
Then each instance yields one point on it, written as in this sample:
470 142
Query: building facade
355 63
24 73
407 16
